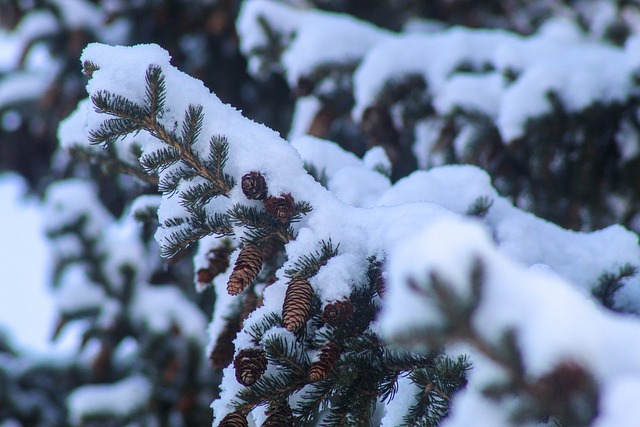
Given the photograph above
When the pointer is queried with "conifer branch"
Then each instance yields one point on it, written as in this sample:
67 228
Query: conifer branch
308 265
155 90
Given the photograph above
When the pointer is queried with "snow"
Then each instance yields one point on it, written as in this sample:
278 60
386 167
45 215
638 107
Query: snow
26 306
119 399
400 404
77 293
304 36
72 201
418 222
159 308
23 87
533 303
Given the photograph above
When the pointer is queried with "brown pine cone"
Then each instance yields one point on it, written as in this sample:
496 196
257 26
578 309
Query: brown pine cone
222 352
282 416
234 419
246 270
280 207
249 365
297 304
337 312
254 186
327 357
217 262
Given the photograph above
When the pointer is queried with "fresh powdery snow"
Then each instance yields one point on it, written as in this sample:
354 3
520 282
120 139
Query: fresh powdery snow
122 399
538 276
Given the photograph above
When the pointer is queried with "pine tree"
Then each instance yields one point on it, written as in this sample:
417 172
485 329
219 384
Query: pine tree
338 298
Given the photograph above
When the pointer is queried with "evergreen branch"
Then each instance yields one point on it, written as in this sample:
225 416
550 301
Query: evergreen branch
252 218
155 91
480 207
147 119
301 209
198 194
308 265
180 240
192 126
173 175
319 175
610 283
111 130
218 224
159 159
314 400
112 162
119 106
217 160
287 355
269 321
266 389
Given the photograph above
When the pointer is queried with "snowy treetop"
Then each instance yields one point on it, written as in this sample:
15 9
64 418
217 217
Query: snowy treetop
503 75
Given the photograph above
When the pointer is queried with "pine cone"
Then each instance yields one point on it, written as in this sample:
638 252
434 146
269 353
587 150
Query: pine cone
337 312
222 352
249 365
218 262
254 186
327 357
234 419
245 271
280 207
297 304
282 416
305 86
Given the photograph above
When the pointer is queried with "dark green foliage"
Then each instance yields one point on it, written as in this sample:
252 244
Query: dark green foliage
155 92
319 175
480 207
610 283
437 386
308 265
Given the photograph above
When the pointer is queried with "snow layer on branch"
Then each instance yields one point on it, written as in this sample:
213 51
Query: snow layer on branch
161 308
531 302
390 224
305 35
120 399
578 257
24 87
73 200
434 56
557 60
580 77
77 293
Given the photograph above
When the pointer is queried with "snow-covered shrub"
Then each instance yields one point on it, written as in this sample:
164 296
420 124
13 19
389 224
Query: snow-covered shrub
345 299
551 116
142 336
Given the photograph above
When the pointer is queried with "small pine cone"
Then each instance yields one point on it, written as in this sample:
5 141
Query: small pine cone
248 305
245 271
218 262
204 276
282 416
305 86
249 365
327 357
280 207
297 304
222 352
234 419
337 312
254 186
